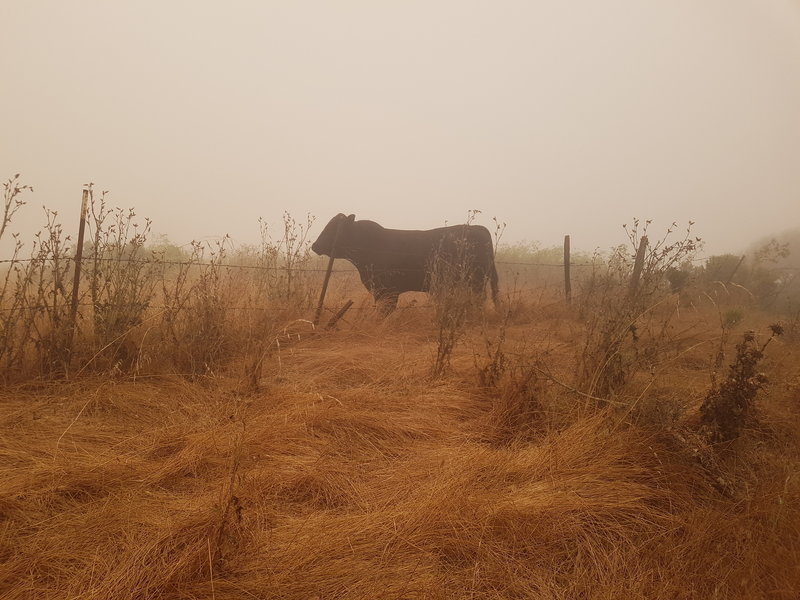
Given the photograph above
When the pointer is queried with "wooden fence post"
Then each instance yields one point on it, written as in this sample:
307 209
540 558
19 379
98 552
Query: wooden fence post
335 318
76 282
567 283
322 293
638 265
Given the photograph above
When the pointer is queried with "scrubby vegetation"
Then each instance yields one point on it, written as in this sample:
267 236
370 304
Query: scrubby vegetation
144 307
198 438
765 276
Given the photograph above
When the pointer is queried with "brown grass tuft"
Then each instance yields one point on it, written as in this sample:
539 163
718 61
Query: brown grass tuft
349 472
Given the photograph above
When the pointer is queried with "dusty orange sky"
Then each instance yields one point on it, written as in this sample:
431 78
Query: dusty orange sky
556 117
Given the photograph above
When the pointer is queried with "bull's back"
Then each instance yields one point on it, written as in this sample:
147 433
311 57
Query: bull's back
421 244
402 260
414 246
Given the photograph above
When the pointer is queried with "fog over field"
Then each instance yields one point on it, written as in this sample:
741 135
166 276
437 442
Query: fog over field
189 415
555 117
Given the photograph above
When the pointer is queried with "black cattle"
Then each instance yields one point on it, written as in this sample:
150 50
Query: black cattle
393 261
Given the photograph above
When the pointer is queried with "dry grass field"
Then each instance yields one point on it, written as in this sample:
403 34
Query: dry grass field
350 472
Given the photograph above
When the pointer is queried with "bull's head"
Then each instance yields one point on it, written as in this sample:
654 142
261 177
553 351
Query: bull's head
335 231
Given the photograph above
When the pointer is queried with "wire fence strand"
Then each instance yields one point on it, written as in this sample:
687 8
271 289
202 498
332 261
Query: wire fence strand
158 261
274 268
191 263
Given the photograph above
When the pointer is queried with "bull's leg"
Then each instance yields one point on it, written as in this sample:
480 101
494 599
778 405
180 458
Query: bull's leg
386 302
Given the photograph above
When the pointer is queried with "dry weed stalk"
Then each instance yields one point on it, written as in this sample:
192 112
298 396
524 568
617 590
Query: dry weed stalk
13 200
281 277
272 344
496 362
616 311
452 291
43 287
136 304
196 309
34 295
14 329
729 405
121 278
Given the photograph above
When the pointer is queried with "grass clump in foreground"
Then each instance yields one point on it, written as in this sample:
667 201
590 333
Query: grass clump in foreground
190 436
351 473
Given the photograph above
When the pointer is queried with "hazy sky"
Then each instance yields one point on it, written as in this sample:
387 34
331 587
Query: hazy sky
556 117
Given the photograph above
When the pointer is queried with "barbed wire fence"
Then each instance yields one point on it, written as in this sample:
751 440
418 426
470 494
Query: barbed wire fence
60 320
53 313
348 271
512 268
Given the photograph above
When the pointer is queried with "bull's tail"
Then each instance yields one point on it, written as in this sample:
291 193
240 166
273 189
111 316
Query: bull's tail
493 282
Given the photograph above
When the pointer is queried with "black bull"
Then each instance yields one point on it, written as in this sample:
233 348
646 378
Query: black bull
393 261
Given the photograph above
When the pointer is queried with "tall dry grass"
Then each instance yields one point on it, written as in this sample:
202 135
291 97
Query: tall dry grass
141 311
351 473
200 439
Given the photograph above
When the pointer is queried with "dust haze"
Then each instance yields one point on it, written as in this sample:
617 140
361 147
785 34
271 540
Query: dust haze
557 118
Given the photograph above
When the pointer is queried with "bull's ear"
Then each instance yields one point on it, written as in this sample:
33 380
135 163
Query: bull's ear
351 218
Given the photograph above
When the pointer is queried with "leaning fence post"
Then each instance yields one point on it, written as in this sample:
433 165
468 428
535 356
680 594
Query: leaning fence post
638 265
73 313
567 282
335 318
318 312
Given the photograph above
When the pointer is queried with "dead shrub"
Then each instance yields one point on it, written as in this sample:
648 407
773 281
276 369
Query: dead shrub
617 304
280 274
454 291
35 324
728 407
196 308
121 278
